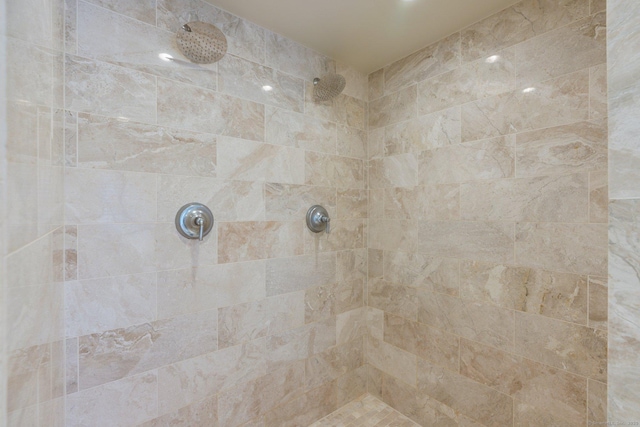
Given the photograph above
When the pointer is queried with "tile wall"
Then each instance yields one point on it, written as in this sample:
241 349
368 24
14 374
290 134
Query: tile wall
624 210
488 199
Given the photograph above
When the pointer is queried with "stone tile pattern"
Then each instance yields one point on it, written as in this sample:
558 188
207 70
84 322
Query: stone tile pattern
115 320
31 218
365 411
624 158
487 287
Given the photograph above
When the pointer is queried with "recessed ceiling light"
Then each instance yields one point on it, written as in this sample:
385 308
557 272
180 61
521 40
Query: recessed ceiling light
492 59
267 88
529 90
165 57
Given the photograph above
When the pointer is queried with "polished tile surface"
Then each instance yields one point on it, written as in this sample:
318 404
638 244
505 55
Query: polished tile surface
366 411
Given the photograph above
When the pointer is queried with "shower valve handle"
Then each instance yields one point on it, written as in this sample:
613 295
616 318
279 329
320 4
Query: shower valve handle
318 219
327 221
200 223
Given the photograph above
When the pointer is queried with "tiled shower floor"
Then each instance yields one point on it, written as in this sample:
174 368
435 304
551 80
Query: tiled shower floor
367 411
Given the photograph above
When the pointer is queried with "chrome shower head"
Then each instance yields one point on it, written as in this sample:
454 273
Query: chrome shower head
201 42
328 86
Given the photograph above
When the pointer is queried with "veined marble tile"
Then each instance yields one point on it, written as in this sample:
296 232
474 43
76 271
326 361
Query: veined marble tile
554 102
266 317
352 325
485 241
30 71
292 129
563 149
33 264
119 353
559 295
70 26
597 6
143 11
489 159
99 196
244 39
345 234
228 200
393 108
253 161
598 100
37 14
432 60
351 204
305 409
109 90
598 302
71 365
70 139
393 235
97 305
111 37
330 300
435 130
29 376
479 79
333 171
292 347
330 364
395 298
352 142
190 380
394 171
597 402
376 84
285 202
391 360
200 414
296 59
352 264
517 23
244 241
599 196
468 397
209 287
376 203
561 51
478 321
286 275
434 202
119 403
420 271
22 195
343 109
433 345
559 393
572 248
560 198
567 346
172 251
188 107
245 79
357 82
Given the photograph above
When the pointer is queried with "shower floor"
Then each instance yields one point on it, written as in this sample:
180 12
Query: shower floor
366 411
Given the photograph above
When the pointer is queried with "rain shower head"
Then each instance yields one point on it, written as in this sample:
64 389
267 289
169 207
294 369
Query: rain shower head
201 42
328 86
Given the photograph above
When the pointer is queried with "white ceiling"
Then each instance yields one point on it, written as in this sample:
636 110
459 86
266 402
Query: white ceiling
366 34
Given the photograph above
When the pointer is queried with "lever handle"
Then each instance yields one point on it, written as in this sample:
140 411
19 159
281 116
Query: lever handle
327 221
200 223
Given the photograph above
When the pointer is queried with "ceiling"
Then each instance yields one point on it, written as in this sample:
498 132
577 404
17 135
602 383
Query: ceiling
366 34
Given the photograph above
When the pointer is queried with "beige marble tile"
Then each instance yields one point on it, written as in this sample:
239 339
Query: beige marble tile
305 409
191 380
394 171
70 148
357 82
144 11
376 203
393 298
485 241
351 386
391 360
393 235
328 365
375 143
550 103
432 60
105 143
376 84
598 302
266 317
244 241
435 130
343 109
109 90
293 58
563 149
574 47
330 300
284 127
95 196
286 275
244 39
209 286
574 348
71 365
393 108
244 79
475 80
352 142
351 204
97 305
33 264
420 271
172 251
599 196
558 198
438 347
598 102
70 26
434 202
29 376
489 159
119 353
365 410
597 402
558 393
559 295
200 414
286 202
597 6
352 325
298 344
474 320
572 248
189 107
30 71
464 395
345 234
517 23
333 171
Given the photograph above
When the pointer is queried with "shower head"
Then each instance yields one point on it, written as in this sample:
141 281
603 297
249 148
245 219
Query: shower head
201 42
328 86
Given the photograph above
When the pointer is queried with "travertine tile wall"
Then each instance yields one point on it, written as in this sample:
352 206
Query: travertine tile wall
32 215
488 222
262 323
624 247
